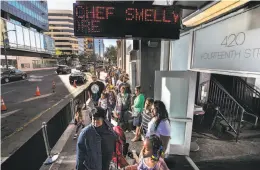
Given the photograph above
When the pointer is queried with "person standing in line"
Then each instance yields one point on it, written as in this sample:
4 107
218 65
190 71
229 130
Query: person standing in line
147 114
137 110
119 82
151 156
109 83
111 95
127 85
102 102
96 143
78 121
122 107
95 89
160 123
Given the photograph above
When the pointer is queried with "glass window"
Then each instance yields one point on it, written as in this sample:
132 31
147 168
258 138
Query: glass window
42 41
19 32
26 37
38 41
11 34
32 37
17 71
46 42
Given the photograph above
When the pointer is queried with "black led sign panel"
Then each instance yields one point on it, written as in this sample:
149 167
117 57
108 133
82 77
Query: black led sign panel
120 19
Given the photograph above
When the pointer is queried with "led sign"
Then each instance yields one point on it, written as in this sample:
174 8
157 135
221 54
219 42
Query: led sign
117 20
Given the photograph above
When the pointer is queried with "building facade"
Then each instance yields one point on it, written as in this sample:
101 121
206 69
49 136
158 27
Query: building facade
33 14
81 42
88 46
22 24
61 29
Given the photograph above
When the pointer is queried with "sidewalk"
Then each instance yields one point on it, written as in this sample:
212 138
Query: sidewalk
214 154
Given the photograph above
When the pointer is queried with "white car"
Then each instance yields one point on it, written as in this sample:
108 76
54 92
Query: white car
9 66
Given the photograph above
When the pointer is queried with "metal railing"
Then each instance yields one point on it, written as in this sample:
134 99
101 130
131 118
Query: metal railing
228 109
34 152
247 95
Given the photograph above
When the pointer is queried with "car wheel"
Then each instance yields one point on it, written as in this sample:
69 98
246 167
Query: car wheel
23 77
6 80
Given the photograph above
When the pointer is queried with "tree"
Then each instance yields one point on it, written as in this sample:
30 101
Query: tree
111 53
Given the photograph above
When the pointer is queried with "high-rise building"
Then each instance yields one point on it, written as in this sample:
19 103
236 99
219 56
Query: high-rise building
88 46
22 24
81 42
62 30
33 14
99 47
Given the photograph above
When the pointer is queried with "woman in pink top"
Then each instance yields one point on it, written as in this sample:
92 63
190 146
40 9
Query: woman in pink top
152 152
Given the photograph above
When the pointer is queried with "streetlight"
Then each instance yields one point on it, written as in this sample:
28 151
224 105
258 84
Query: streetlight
3 34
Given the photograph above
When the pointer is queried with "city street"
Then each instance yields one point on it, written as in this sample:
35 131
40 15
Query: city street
23 106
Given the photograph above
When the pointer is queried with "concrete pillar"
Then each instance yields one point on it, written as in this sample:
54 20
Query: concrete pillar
165 55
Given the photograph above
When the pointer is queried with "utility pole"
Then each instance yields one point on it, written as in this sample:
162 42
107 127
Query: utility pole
99 50
3 35
6 61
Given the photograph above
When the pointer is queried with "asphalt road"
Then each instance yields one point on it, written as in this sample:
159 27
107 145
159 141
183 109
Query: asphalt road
23 105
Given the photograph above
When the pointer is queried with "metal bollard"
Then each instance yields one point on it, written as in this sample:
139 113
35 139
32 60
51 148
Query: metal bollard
51 158
72 111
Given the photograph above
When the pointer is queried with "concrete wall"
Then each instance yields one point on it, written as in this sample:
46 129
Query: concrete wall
27 62
150 62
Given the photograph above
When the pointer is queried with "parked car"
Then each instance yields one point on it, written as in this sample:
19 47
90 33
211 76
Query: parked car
85 68
8 75
80 78
63 69
9 67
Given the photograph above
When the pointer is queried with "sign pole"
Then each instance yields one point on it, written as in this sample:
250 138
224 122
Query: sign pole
6 60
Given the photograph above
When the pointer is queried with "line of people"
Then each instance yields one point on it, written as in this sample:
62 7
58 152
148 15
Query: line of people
96 143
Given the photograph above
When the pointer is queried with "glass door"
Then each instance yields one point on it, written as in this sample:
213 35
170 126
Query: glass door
177 90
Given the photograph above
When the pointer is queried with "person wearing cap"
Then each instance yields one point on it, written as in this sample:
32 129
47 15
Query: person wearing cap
95 89
96 143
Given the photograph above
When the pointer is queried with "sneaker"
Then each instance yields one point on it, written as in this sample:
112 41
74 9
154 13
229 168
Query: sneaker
127 131
75 136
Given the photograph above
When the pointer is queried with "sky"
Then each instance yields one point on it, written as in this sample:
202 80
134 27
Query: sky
68 5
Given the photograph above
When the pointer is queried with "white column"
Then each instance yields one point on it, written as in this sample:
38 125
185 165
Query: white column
165 55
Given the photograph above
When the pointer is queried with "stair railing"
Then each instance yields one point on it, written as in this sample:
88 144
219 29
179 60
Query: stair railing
227 107
246 95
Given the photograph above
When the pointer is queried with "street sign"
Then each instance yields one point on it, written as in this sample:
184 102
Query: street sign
121 19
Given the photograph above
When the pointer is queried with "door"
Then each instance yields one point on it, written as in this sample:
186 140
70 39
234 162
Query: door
12 75
177 90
